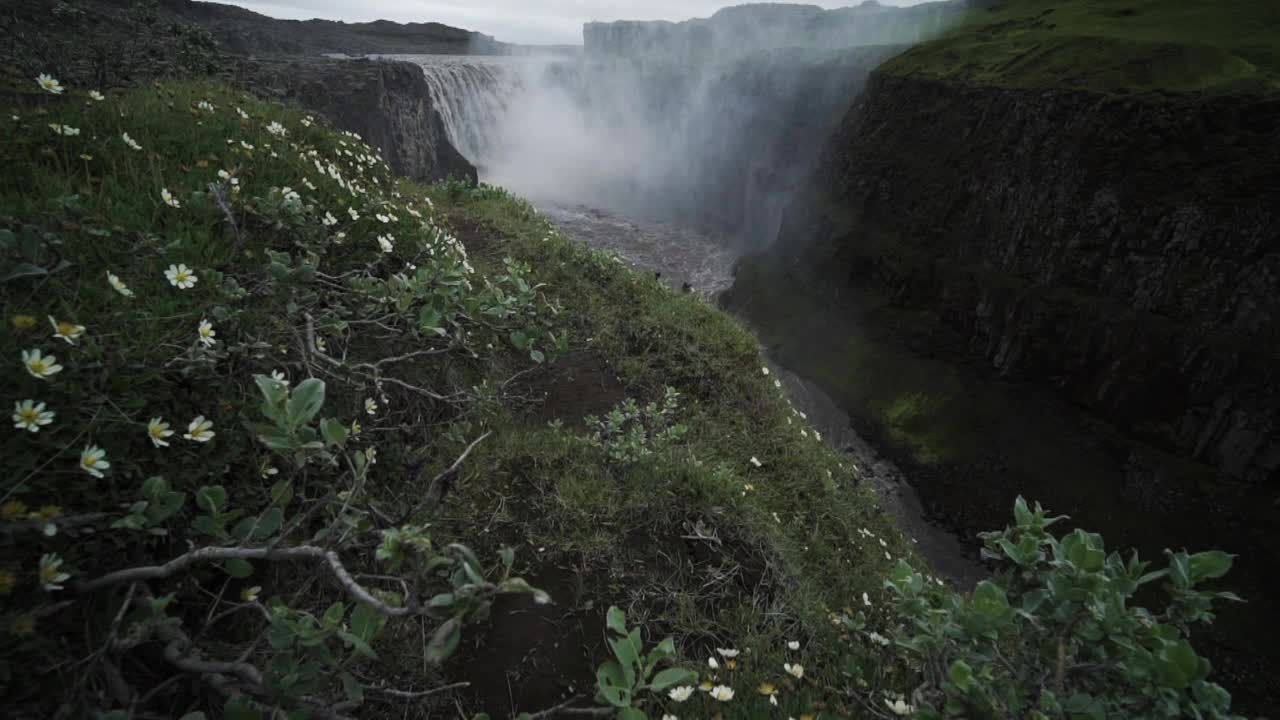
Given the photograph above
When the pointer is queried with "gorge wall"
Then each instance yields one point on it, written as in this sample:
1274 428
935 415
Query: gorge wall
1141 282
1070 296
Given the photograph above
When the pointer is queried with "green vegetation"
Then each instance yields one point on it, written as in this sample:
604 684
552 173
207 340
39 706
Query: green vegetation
295 438
1109 46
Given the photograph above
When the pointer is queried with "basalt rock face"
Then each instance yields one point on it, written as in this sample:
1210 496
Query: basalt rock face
387 103
1123 251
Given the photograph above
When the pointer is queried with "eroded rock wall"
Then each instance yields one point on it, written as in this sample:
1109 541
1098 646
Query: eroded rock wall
1124 251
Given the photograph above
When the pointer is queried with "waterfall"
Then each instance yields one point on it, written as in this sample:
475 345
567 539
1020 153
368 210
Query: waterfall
473 98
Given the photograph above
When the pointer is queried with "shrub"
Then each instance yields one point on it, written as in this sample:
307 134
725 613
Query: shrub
1059 634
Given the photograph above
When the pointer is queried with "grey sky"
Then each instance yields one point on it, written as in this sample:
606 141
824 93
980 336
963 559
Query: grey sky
519 21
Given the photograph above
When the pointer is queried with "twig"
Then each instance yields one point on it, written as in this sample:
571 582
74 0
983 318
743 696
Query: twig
440 479
213 554
424 693
215 189
563 710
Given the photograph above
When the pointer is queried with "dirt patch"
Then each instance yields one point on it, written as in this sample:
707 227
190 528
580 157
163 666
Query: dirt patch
481 240
575 386
530 657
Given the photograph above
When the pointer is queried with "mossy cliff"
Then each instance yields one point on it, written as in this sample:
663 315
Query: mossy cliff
1038 283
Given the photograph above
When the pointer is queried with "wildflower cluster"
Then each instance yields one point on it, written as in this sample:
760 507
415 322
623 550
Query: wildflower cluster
195 250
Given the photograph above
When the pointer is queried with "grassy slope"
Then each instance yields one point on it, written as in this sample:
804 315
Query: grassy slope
1110 46
789 551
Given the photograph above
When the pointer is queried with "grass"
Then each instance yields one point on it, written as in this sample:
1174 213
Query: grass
694 540
1208 47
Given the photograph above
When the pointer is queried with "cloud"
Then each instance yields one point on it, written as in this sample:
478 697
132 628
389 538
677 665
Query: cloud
519 21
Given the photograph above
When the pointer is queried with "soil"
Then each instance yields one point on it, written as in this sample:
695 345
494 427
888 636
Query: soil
531 657
577 385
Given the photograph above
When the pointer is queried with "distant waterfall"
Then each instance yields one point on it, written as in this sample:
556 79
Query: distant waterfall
473 98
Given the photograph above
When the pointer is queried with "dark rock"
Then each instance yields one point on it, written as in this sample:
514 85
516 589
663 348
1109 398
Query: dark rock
387 103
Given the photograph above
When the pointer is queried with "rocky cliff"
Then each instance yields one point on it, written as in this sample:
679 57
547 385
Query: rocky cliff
387 103
744 29
1065 295
1141 282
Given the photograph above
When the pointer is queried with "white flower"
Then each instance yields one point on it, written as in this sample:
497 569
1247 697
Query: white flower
866 600
206 333
49 85
66 130
793 645
51 571
181 276
764 370
93 460
387 243
713 664
269 471
96 96
879 639
796 671
31 416
41 367
118 285
755 462
382 218
681 693
66 331
352 212
371 455
370 407
883 544
243 115
899 707
727 652
722 693
669 716
246 145
308 121
169 199
133 145
329 220
279 377
250 594
277 129
205 105
200 430
157 431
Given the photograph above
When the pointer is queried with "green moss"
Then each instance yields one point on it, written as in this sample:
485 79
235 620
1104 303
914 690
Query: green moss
1109 46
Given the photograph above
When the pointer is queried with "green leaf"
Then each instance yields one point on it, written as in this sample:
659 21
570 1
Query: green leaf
211 498
333 616
352 687
617 620
443 600
305 402
612 685
22 270
990 600
239 708
1021 513
631 714
539 357
274 394
671 677
366 622
444 641
269 524
628 656
1209 565
663 651
334 433
237 568
193 716
961 674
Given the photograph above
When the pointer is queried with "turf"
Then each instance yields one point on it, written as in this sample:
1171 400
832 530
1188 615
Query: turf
1109 46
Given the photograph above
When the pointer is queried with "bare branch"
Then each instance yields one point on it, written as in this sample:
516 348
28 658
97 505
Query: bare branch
214 554
436 488
421 694
563 710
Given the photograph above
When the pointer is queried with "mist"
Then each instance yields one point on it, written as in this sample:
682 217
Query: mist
709 123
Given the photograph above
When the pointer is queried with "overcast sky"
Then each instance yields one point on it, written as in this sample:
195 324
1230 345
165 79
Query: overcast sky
518 21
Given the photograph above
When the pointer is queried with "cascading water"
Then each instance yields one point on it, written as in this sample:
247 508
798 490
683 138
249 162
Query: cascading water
473 98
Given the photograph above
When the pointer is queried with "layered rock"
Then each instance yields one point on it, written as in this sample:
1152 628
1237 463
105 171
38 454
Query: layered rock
745 29
387 103
1141 280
